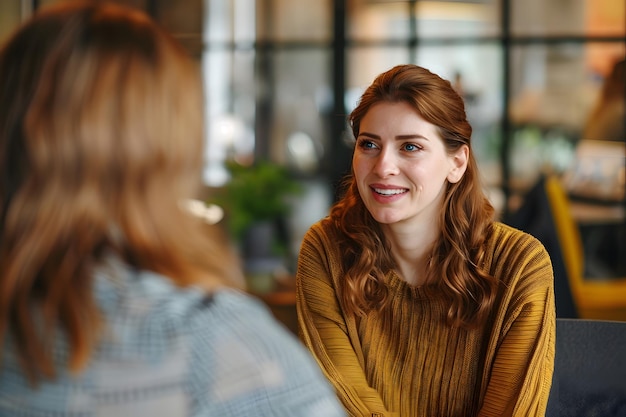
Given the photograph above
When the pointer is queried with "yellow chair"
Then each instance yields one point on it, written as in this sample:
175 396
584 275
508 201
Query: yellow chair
603 299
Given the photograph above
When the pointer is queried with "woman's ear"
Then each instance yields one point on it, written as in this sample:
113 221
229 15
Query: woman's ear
458 164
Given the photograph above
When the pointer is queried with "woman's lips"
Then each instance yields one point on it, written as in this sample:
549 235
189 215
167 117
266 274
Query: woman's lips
387 194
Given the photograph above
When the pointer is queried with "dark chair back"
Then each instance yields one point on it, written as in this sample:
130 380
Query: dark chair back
590 369
535 217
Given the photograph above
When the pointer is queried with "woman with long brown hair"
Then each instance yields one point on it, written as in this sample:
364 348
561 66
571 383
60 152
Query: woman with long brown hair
114 301
412 298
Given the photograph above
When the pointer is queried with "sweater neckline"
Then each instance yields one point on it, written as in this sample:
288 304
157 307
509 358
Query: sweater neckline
398 285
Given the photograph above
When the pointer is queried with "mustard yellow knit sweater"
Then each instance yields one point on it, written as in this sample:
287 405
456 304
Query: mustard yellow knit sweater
419 366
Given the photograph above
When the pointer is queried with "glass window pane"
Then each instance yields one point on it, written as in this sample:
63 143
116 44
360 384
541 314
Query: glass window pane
295 20
540 17
605 17
556 85
381 20
301 101
364 64
543 84
299 94
230 110
447 19
554 88
228 22
228 61
547 108
568 17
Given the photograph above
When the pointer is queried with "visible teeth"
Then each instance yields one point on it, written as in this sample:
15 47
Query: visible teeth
390 192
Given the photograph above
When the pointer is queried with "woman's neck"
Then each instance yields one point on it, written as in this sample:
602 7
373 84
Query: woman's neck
411 251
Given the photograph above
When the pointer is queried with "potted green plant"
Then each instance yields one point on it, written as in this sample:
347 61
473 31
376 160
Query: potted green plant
256 203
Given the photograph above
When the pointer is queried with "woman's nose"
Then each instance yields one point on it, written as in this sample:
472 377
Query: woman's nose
386 163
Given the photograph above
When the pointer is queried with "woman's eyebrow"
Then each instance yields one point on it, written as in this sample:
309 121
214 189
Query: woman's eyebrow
416 136
398 137
369 135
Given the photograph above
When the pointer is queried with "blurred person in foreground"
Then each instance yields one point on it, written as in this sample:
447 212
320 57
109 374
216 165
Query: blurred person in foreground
113 300
412 298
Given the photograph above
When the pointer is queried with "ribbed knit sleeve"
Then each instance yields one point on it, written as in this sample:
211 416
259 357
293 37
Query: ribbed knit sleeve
410 362
522 357
324 330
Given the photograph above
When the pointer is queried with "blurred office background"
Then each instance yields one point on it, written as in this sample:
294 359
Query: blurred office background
282 75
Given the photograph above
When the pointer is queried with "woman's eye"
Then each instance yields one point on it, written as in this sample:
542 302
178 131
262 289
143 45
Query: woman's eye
411 147
367 144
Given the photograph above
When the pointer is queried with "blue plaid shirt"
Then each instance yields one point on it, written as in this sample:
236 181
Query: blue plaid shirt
174 352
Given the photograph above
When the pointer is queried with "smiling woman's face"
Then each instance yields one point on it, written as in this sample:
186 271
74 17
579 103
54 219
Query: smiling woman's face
401 166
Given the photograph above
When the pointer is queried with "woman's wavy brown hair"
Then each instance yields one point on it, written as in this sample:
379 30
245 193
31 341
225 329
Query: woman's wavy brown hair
466 218
101 137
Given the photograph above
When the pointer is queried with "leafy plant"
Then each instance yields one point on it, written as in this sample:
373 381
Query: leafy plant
255 193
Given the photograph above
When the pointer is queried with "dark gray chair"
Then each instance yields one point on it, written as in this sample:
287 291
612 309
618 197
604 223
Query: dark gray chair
534 216
590 369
